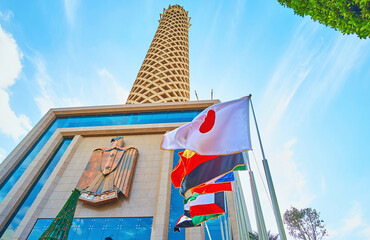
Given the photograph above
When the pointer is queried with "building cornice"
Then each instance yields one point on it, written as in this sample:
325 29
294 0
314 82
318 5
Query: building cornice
134 108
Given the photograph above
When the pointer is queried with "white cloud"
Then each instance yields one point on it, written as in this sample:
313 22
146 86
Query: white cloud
102 89
44 101
353 220
293 185
49 98
111 87
323 184
70 7
10 60
366 232
7 15
332 68
311 72
10 67
352 223
293 69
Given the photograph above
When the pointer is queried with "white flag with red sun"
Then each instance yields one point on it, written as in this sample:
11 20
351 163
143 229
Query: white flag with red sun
220 129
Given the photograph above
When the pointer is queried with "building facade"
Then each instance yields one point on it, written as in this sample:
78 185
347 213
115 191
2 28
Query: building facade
38 176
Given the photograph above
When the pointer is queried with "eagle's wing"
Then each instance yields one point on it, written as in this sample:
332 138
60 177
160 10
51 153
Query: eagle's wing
124 171
92 169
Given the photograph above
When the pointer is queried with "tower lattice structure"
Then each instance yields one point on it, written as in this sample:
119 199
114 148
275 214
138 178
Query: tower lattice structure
164 74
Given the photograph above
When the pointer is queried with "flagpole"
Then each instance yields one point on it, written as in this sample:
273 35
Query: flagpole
225 220
243 205
257 204
240 204
209 235
222 229
270 184
239 219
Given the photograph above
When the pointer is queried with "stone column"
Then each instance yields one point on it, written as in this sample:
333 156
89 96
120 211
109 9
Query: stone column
163 198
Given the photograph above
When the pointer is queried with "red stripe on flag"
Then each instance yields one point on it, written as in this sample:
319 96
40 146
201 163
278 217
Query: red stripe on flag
212 188
193 162
177 174
205 209
186 165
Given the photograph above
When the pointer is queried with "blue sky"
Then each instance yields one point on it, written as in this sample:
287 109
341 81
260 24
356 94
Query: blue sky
310 86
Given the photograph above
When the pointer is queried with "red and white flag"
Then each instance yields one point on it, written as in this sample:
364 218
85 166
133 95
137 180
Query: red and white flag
207 204
220 129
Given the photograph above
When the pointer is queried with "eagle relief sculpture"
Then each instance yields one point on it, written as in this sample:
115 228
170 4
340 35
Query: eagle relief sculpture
108 172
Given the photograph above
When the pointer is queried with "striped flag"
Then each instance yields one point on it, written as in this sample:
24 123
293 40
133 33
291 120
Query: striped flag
192 203
206 204
185 220
218 184
193 170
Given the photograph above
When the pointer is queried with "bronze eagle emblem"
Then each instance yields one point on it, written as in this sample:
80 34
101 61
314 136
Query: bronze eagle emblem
108 172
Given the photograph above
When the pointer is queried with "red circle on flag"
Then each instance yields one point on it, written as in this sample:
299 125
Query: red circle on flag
208 122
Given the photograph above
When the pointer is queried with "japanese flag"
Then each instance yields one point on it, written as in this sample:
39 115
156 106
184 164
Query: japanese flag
220 129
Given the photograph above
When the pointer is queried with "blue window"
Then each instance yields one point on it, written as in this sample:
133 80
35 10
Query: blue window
21 211
101 228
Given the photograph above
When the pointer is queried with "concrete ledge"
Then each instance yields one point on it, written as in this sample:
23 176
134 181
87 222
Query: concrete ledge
120 129
134 108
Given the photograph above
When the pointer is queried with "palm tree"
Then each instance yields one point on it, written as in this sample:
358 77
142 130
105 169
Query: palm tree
254 236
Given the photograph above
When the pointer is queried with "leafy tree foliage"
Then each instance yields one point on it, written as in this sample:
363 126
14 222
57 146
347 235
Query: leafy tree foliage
305 224
347 16
254 236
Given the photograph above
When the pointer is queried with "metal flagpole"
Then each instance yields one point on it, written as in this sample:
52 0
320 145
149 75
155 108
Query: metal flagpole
270 184
239 220
209 235
257 204
243 205
226 220
242 208
222 228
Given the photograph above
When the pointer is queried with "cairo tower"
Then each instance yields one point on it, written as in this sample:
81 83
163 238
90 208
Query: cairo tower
164 74
113 153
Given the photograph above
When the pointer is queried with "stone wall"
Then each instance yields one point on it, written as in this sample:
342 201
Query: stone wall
140 202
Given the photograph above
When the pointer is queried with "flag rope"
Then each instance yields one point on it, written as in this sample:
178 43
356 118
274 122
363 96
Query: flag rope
263 182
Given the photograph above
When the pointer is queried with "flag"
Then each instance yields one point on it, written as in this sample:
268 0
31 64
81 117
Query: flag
189 160
229 177
220 129
218 184
194 170
186 221
206 204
